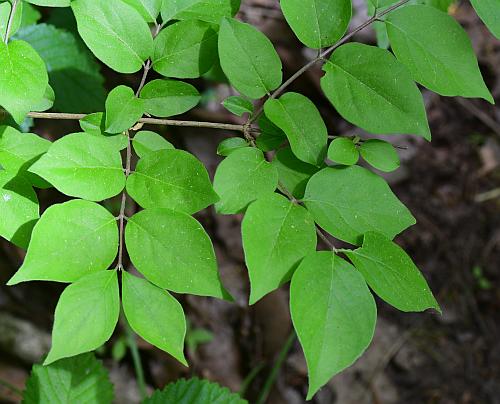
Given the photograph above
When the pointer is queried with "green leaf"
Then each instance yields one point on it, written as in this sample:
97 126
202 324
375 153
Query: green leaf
227 146
173 251
155 315
276 235
71 67
317 23
271 137
5 9
210 11
299 118
81 379
47 102
238 105
165 98
186 49
94 124
148 9
50 3
115 32
86 315
194 391
248 59
360 83
336 197
171 179
293 173
342 150
82 166
23 78
380 155
391 274
70 240
31 15
19 207
123 109
333 313
241 178
489 12
146 142
439 57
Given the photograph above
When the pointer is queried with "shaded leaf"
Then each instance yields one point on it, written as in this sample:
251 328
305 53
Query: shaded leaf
380 154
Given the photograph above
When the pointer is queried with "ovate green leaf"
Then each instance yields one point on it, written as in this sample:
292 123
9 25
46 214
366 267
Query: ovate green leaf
439 57
317 23
19 207
276 234
171 179
86 315
155 315
186 49
173 251
241 178
391 273
81 379
248 59
70 240
299 118
336 197
145 142
115 32
123 109
342 150
333 313
82 166
489 12
165 98
372 90
23 78
380 155
227 146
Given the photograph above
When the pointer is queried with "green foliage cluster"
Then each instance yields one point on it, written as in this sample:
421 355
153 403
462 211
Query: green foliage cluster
310 182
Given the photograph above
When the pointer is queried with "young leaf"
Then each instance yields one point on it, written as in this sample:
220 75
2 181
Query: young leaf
115 32
317 23
194 391
148 9
299 118
82 166
173 251
5 9
95 125
489 12
19 207
241 178
227 146
155 315
336 197
23 78
293 173
392 275
123 109
333 313
439 57
146 142
248 59
276 234
360 83
165 98
380 155
172 179
209 11
86 315
342 150
70 240
238 105
81 379
186 49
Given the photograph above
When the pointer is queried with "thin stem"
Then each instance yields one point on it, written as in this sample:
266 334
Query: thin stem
11 19
147 68
136 358
326 241
271 379
121 217
325 53
151 121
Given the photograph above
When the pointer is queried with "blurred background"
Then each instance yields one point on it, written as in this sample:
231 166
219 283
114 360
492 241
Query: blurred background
452 187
